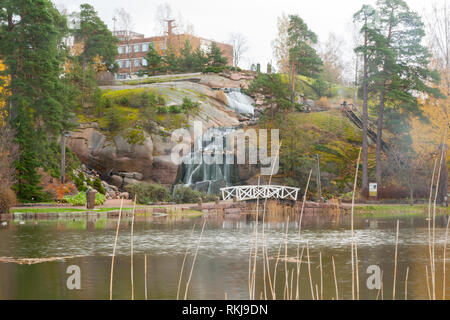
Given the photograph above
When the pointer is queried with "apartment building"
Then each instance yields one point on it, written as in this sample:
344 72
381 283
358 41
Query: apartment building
133 48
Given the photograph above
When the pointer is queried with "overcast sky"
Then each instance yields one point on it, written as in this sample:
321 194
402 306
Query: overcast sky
255 19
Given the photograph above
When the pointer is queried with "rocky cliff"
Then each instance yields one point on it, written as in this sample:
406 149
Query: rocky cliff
120 163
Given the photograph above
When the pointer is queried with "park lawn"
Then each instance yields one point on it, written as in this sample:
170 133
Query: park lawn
386 211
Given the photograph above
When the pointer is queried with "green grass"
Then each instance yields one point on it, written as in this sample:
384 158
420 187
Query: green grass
65 210
386 211
163 79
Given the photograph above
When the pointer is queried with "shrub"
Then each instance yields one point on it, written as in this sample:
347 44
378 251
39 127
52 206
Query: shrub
98 186
80 199
212 69
183 194
189 105
7 199
323 103
148 192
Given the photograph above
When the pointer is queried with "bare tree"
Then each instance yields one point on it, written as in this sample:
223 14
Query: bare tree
125 24
331 53
240 47
438 25
438 30
163 13
183 25
280 45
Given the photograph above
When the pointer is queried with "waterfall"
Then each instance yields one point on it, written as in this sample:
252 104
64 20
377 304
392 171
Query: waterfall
199 175
209 177
239 102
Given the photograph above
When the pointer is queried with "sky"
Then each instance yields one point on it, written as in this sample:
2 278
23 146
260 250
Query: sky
256 20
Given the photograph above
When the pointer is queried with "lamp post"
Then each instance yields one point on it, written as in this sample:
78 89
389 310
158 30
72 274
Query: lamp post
65 135
319 185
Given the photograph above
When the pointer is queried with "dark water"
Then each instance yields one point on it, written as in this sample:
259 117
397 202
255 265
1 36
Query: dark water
222 264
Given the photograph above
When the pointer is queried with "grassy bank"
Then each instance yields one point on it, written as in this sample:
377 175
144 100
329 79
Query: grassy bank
394 211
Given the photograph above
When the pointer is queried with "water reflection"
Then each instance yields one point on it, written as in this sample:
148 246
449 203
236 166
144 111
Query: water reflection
222 263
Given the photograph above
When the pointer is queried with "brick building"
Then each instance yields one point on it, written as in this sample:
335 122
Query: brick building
133 48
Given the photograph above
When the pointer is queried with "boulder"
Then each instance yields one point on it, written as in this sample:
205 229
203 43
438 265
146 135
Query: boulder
127 181
97 152
216 81
116 181
164 170
124 195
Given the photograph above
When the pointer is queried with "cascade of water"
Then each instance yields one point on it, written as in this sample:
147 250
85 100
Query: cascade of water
240 102
209 177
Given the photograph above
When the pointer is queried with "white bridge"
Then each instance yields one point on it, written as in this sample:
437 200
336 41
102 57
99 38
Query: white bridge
242 193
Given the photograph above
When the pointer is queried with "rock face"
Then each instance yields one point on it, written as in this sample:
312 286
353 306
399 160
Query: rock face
120 163
115 159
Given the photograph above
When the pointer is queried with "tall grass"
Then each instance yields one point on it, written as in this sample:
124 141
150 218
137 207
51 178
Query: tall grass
114 251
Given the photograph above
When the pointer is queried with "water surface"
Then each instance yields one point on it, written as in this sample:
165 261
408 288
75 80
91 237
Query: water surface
222 264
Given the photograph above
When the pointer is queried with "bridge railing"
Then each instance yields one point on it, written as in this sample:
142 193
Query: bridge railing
242 193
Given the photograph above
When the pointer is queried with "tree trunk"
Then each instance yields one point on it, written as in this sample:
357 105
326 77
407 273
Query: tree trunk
378 170
293 84
443 183
365 144
411 192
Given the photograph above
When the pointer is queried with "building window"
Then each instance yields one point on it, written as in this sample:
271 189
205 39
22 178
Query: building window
137 63
144 62
144 47
127 63
120 50
120 64
128 49
136 48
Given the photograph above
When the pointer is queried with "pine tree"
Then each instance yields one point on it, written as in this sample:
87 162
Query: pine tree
187 57
154 62
365 16
215 58
200 60
303 58
31 34
171 61
399 63
96 38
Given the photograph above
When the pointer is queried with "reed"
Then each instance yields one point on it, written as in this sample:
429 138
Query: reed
299 266
429 214
182 266
275 272
114 251
309 269
303 204
286 273
193 261
428 282
352 227
335 278
357 271
406 283
321 275
395 260
131 249
443 259
433 269
145 276
268 273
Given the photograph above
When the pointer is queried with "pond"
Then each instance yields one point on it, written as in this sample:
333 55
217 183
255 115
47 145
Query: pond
221 268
